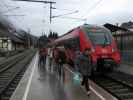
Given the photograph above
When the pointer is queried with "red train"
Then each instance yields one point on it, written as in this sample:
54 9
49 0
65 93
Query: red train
105 53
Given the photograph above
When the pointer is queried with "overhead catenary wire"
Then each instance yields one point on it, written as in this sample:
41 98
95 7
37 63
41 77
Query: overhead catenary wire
4 4
73 18
42 1
61 9
14 15
91 9
65 14
9 10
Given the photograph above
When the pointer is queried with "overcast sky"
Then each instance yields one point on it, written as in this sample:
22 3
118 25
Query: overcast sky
35 16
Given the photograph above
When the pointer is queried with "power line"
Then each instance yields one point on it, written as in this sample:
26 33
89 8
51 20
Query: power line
65 14
73 18
46 2
93 7
4 4
14 15
12 9
36 1
61 9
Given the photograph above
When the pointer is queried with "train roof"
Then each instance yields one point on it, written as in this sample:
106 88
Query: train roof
96 28
85 27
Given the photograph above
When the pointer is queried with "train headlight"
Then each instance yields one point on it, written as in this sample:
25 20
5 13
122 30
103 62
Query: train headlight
114 49
92 50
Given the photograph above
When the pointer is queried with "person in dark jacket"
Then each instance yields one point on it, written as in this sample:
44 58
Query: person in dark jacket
61 61
42 56
83 65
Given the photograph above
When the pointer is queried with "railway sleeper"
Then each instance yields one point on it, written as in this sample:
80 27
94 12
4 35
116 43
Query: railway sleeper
126 96
4 98
121 90
12 86
115 86
109 84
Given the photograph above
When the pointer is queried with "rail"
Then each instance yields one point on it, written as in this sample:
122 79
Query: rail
120 89
12 73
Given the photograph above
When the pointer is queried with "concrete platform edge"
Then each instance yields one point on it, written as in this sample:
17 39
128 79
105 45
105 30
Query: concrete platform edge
19 92
100 92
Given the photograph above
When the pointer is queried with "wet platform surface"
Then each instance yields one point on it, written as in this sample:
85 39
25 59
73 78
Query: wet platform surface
46 86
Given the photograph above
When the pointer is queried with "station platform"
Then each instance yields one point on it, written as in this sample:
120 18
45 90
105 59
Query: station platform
39 83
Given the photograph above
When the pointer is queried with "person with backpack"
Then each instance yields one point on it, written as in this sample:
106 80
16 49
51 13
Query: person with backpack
83 66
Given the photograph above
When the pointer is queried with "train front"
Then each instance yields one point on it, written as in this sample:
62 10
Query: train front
105 54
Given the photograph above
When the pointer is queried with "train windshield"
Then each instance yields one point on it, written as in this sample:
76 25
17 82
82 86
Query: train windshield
98 35
100 38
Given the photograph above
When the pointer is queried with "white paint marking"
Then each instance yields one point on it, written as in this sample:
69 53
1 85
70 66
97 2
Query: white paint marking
100 96
92 89
30 79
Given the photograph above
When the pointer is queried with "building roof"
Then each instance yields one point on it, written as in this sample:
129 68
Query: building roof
127 25
4 32
7 29
15 38
114 28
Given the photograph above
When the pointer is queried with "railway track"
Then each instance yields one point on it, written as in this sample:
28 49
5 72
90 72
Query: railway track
115 86
11 73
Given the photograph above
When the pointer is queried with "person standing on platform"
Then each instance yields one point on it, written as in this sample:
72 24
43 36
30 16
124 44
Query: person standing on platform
50 53
55 59
83 65
40 57
61 61
43 54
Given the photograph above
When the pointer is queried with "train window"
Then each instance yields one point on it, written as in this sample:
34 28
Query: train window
100 38
98 35
72 43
